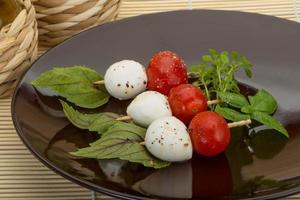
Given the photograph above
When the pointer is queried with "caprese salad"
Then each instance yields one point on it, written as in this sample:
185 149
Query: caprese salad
174 112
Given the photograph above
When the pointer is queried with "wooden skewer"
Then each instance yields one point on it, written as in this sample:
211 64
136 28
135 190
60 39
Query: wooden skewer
215 101
124 118
239 123
101 82
230 125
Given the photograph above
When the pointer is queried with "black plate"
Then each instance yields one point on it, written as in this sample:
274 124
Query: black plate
272 44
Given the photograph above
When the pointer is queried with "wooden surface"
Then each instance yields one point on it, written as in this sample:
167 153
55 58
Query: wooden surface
23 177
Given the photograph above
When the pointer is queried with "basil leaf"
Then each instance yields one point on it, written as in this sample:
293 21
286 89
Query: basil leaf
231 114
247 109
269 121
263 102
99 122
235 100
122 141
75 84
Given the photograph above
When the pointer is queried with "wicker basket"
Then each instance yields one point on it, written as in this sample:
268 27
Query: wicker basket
18 47
60 19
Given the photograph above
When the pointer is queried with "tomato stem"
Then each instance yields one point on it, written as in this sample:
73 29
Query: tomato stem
239 123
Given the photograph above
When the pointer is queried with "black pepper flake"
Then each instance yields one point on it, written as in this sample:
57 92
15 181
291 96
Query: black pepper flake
174 129
145 82
132 86
126 92
127 85
180 139
167 123
186 144
119 85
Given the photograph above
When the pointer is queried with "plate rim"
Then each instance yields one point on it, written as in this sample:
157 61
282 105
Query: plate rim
94 187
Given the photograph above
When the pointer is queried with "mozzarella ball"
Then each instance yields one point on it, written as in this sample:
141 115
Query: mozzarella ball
147 107
167 139
125 79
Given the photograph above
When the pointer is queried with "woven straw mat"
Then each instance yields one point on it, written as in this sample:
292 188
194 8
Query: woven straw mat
22 177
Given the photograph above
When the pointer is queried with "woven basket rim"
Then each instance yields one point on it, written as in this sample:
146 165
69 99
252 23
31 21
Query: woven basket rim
59 21
18 47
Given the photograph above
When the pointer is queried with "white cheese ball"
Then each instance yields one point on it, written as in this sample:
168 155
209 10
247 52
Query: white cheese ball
125 79
147 107
167 139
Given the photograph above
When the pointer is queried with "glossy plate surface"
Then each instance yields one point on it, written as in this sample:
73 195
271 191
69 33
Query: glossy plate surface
271 168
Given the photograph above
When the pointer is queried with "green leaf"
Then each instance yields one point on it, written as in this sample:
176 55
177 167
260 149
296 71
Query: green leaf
235 100
224 57
263 102
247 109
99 122
248 72
213 53
231 114
206 58
269 121
196 68
234 55
122 141
75 84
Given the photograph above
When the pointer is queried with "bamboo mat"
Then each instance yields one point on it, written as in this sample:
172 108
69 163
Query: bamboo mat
22 177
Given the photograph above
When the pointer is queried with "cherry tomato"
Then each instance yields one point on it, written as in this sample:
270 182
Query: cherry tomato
166 70
209 133
186 101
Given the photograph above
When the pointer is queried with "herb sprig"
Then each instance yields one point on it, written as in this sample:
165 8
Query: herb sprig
216 72
216 75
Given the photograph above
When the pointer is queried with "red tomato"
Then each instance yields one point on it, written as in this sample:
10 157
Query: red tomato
166 70
209 133
186 101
